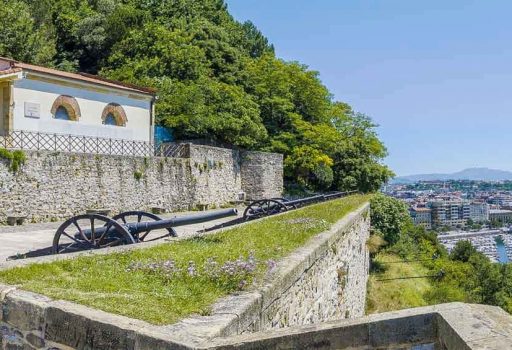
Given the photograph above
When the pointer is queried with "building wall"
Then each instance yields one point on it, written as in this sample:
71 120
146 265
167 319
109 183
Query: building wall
91 99
500 216
55 186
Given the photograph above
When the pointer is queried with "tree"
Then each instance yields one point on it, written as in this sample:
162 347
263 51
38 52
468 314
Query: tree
216 78
463 251
389 217
21 38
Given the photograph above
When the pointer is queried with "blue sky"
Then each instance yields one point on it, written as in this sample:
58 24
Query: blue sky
435 75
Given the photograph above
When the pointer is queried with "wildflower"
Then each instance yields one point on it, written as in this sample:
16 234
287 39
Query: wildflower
191 270
242 284
271 264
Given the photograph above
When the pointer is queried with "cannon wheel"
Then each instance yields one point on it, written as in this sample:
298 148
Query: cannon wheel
70 235
263 207
124 218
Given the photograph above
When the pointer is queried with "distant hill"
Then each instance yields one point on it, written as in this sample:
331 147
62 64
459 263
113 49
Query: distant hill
482 174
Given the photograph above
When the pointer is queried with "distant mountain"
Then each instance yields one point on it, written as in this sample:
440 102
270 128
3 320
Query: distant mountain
482 174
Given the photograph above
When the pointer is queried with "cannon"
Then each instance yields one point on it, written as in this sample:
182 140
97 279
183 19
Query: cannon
95 231
267 207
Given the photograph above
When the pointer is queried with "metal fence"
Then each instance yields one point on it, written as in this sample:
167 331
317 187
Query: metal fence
173 150
37 141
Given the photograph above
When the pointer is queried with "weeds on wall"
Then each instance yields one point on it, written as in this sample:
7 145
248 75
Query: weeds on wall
137 175
15 158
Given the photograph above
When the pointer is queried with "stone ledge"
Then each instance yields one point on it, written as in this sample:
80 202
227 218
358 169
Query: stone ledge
453 325
448 326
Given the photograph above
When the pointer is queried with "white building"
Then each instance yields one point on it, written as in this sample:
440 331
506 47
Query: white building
479 212
35 99
456 212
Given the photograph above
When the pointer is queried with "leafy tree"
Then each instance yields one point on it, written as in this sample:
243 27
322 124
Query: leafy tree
463 251
20 38
389 217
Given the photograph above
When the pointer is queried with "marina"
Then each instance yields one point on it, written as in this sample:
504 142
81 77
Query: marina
495 244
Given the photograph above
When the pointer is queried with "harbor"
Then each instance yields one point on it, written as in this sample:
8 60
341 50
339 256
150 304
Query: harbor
495 244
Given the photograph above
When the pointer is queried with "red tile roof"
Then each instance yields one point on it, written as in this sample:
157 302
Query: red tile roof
15 66
10 71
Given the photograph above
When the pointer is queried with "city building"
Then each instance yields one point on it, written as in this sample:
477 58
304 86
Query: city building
479 212
450 213
39 100
500 215
422 217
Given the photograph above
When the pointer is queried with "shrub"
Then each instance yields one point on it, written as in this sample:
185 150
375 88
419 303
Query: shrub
16 158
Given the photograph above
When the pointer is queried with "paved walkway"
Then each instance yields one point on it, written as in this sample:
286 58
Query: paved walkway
36 239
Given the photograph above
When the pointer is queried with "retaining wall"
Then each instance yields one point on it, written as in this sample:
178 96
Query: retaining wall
52 186
324 280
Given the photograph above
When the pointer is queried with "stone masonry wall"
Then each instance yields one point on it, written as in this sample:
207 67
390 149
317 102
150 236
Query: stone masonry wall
52 186
333 288
322 281
257 181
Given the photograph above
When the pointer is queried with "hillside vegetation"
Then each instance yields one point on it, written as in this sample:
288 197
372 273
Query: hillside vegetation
216 78
462 275
390 289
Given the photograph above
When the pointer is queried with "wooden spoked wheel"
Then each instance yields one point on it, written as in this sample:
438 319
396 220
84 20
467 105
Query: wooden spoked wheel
89 231
264 207
139 216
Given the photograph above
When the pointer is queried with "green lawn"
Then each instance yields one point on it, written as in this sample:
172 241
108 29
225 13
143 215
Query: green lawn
395 293
165 283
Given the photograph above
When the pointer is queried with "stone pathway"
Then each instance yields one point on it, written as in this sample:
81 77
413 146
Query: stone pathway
36 239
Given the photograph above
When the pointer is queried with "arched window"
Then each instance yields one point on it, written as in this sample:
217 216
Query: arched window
114 114
110 119
62 113
66 108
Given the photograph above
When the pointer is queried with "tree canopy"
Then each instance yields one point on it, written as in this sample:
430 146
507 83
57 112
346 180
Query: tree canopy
217 78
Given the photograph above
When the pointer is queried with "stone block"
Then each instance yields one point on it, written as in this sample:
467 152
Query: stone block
84 328
408 329
24 310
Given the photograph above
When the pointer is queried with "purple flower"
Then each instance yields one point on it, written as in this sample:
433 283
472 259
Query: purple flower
242 284
271 264
191 270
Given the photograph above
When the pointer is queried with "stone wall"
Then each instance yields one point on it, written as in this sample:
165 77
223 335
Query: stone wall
52 186
332 288
322 281
257 181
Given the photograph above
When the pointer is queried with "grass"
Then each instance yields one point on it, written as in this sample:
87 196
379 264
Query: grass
111 283
397 294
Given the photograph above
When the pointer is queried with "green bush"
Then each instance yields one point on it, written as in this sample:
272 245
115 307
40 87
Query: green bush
15 158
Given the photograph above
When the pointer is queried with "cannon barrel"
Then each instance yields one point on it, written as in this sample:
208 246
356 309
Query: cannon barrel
306 200
266 207
139 227
180 221
336 195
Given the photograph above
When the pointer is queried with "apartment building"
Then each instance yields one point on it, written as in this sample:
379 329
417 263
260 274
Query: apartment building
456 212
422 217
